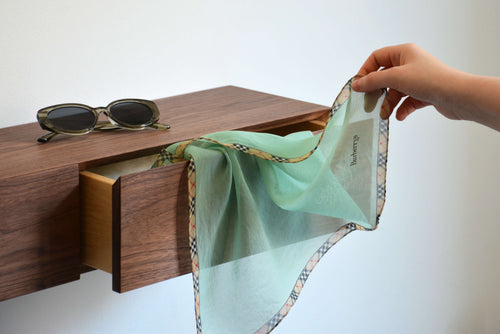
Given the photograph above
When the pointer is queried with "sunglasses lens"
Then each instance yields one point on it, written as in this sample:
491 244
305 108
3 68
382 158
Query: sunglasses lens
132 113
71 119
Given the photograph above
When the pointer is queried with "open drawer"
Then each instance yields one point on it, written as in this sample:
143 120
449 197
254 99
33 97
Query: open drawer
135 226
135 219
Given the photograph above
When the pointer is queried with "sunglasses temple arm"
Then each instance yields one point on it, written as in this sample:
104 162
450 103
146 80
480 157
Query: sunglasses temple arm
101 126
160 126
47 137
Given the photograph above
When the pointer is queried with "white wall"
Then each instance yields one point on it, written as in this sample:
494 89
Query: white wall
432 266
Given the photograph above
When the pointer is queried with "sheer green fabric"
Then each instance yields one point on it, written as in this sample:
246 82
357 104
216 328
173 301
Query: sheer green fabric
265 208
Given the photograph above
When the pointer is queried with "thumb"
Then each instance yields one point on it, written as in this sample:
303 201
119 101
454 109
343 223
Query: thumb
374 80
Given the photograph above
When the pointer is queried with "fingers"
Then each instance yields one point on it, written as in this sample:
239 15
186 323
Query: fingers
386 57
383 68
396 68
376 80
394 97
408 106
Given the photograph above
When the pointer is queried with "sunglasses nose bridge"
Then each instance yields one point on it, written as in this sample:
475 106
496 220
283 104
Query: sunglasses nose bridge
100 110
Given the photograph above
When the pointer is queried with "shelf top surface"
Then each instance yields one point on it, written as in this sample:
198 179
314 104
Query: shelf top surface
189 115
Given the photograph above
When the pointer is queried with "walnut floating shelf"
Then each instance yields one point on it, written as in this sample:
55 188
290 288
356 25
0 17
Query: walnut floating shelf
88 200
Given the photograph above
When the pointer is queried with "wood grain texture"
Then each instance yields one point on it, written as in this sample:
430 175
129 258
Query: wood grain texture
190 115
39 231
150 229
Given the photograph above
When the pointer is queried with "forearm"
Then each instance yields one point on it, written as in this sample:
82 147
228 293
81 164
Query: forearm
476 98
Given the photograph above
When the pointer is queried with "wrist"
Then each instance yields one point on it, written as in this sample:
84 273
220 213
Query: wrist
476 98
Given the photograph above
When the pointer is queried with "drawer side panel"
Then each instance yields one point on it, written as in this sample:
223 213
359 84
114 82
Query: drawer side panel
96 217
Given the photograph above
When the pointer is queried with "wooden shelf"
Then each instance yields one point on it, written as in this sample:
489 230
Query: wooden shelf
40 190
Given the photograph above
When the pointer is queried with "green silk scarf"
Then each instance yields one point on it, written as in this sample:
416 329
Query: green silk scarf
265 208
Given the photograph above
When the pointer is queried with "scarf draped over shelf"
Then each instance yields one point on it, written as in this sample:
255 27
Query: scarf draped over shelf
265 208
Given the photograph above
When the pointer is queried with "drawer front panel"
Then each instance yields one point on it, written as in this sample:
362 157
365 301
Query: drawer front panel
150 227
39 231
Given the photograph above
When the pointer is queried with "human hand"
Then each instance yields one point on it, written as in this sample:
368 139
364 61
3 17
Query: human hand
411 74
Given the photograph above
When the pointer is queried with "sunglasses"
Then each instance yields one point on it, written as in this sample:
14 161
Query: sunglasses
80 119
